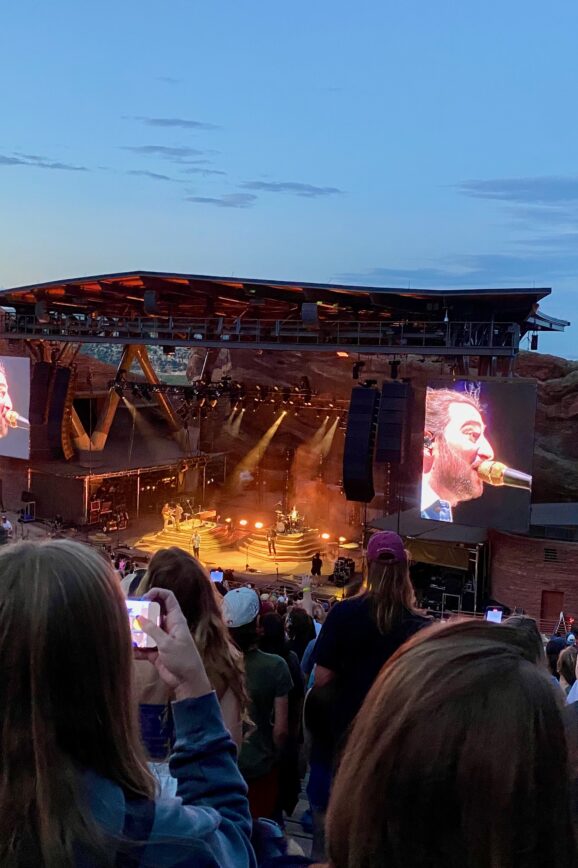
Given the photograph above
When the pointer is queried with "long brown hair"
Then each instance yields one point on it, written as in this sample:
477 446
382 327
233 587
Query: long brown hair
390 588
66 668
177 571
457 758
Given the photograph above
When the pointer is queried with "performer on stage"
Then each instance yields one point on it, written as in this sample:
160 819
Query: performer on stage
455 444
196 544
8 416
166 514
271 538
316 564
178 516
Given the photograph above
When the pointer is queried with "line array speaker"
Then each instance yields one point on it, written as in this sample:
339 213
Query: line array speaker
56 410
359 445
391 422
39 392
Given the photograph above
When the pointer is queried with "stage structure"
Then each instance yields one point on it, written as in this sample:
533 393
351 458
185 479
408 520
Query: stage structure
94 446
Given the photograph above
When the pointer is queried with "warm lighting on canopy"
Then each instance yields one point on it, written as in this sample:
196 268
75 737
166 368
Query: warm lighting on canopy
243 522
258 525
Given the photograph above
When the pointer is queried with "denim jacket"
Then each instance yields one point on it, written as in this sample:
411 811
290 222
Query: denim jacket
208 824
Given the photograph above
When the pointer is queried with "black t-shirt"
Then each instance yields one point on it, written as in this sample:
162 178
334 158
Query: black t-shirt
352 646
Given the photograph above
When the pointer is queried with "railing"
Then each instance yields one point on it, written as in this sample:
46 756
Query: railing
499 338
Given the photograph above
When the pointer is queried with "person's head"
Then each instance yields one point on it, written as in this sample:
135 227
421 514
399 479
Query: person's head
241 614
388 581
455 444
272 638
4 518
179 572
300 629
528 630
319 613
458 757
554 648
567 665
66 663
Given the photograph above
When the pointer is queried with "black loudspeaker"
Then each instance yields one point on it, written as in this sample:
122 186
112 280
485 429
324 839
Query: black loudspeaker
150 301
39 391
310 313
393 406
359 445
56 410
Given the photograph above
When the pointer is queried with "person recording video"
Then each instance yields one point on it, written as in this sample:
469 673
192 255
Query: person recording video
8 416
455 445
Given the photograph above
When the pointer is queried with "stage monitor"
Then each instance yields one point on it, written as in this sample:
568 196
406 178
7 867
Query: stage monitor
14 407
478 446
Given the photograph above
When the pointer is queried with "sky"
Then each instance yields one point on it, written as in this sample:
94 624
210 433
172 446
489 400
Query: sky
403 144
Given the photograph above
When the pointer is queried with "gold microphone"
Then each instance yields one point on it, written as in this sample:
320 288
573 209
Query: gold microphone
496 473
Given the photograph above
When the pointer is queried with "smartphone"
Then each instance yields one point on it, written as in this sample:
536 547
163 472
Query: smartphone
147 609
216 575
494 615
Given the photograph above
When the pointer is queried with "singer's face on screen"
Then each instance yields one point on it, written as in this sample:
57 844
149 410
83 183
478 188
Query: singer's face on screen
455 455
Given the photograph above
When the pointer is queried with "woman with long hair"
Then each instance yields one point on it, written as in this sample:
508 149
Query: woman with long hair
458 759
75 788
300 630
179 572
361 633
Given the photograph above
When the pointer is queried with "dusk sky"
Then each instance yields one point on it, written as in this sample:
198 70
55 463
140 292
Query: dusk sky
417 143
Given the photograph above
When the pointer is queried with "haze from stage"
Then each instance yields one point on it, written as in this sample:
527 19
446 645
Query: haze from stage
14 407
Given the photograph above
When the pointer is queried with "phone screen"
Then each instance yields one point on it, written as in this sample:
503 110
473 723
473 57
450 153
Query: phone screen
216 575
494 615
148 609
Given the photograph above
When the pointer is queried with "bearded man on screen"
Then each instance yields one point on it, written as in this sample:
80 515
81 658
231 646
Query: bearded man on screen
8 417
455 444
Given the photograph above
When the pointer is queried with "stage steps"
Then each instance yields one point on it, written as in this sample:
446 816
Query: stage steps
214 539
290 547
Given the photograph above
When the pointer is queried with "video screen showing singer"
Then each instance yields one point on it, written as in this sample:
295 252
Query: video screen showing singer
459 453
8 416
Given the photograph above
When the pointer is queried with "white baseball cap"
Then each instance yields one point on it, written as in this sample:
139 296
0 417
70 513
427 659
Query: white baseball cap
240 607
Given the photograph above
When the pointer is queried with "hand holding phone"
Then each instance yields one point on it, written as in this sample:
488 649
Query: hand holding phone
142 609
176 656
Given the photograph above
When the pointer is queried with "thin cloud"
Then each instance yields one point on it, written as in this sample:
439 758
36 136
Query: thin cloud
194 170
310 191
156 176
164 151
180 123
554 189
229 200
38 162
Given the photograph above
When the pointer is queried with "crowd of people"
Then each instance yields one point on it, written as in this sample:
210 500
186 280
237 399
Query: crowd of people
420 744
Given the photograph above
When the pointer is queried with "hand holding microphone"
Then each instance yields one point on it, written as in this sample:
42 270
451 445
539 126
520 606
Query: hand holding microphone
496 473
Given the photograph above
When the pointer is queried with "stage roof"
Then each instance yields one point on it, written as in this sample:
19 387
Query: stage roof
146 293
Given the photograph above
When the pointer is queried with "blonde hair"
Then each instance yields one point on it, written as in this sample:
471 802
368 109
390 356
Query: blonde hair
389 587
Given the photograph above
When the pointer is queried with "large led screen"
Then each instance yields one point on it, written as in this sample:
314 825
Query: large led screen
478 445
14 407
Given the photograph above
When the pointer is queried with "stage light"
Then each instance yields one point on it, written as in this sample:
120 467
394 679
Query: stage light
342 539
259 525
342 354
227 521
325 536
243 522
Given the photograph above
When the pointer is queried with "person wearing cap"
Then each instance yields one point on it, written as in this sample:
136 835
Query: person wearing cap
361 633
268 682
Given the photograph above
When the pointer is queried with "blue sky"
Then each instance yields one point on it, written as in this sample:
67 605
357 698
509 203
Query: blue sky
416 143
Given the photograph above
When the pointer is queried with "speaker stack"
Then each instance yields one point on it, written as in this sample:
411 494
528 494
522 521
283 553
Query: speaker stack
376 430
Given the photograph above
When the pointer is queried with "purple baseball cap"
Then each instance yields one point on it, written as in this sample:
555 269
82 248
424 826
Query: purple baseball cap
387 546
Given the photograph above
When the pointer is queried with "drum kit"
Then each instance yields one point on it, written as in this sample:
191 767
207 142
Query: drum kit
289 522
